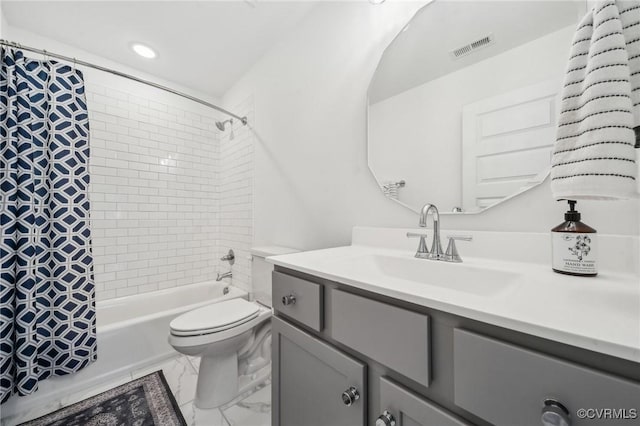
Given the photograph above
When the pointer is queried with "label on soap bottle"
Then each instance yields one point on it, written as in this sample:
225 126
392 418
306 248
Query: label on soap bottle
575 253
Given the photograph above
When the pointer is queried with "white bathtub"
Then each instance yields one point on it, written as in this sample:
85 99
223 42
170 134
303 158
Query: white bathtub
124 312
132 333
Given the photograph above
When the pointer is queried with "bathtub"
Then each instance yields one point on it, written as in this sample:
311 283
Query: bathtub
132 334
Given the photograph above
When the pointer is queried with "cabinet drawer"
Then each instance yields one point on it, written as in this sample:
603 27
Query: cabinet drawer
506 384
395 337
309 378
298 299
406 408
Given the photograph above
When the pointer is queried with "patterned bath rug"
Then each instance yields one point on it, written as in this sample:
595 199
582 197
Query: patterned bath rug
146 401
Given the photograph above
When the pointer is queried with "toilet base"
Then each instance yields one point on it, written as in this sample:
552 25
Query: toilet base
230 361
209 396
217 380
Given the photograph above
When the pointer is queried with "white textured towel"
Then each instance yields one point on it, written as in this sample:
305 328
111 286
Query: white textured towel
594 155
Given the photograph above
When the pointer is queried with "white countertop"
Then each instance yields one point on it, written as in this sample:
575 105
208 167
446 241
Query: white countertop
601 314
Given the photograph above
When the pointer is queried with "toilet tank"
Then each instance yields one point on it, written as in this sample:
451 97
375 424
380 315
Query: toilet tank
261 271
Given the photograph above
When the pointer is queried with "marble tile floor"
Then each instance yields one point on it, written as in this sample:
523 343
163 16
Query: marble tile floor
250 409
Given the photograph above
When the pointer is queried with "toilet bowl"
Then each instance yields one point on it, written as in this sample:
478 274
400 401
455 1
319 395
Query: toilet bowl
217 334
232 338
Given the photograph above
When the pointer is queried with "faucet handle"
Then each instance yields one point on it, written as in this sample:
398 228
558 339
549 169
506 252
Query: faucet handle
423 251
460 237
452 255
417 235
229 257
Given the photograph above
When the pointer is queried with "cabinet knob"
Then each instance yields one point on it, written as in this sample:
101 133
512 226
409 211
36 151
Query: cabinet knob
386 419
289 299
350 396
555 414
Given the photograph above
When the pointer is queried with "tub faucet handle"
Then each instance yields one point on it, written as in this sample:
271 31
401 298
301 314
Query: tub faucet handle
229 257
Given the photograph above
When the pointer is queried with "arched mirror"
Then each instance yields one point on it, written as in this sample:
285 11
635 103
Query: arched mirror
462 106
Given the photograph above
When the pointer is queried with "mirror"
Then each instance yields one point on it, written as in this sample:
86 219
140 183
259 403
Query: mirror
462 106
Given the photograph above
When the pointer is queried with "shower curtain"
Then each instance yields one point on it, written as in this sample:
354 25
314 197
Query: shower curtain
47 296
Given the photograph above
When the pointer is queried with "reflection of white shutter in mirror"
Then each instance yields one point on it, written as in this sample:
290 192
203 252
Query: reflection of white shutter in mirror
507 142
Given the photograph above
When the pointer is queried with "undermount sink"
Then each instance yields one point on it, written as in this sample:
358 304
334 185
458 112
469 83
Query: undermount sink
460 277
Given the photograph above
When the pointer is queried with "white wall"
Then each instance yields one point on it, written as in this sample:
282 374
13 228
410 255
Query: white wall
312 184
160 201
3 21
416 135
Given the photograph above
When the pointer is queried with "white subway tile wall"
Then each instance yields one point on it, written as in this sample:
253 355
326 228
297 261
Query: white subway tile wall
236 196
154 193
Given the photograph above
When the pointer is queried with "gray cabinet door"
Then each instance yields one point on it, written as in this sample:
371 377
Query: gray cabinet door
406 409
506 385
309 377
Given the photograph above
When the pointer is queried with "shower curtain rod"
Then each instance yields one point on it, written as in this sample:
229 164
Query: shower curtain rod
75 61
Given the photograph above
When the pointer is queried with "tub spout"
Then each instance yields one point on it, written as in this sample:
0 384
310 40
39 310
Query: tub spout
223 275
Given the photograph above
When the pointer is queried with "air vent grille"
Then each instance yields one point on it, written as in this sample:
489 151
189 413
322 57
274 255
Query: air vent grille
472 47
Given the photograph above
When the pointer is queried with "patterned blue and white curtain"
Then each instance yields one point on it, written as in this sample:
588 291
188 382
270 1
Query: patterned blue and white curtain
47 296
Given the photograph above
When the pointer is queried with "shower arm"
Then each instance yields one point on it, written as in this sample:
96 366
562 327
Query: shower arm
75 62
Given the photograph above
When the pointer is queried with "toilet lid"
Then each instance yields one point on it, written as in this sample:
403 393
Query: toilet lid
215 317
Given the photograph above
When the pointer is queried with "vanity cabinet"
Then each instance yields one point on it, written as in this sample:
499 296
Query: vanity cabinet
353 357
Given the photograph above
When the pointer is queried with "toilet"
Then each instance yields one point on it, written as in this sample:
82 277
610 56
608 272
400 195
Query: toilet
232 338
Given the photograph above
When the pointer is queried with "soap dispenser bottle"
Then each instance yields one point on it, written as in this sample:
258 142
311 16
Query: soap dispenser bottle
574 246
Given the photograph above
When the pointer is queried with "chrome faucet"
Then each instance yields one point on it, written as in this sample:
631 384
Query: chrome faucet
423 251
223 275
436 252
231 258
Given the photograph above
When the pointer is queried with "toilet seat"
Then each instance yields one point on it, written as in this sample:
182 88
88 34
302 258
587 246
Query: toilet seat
195 340
214 318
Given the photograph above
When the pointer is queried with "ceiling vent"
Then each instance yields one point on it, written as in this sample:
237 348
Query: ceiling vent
472 47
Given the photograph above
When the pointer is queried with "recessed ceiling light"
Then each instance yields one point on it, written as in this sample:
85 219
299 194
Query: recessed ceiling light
376 1
143 50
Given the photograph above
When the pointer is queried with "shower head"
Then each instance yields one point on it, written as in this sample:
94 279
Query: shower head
221 124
